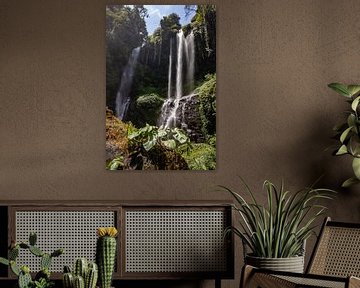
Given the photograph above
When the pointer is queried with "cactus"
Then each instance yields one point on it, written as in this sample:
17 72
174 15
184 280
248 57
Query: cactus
45 261
105 254
68 280
23 273
24 280
91 276
32 238
79 282
80 268
13 253
36 251
87 272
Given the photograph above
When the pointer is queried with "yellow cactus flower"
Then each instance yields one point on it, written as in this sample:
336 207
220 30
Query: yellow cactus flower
106 231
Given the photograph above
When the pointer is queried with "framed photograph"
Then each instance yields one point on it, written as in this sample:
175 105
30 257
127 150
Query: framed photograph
161 87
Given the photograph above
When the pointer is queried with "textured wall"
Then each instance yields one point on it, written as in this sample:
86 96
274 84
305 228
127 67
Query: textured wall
275 113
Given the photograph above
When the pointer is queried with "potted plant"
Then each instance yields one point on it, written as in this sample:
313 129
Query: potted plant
276 233
348 132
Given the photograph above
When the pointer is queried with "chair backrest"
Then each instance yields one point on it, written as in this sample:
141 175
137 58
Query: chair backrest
337 251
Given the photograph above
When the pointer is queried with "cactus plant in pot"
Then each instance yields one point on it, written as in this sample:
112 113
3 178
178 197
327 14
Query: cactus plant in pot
275 233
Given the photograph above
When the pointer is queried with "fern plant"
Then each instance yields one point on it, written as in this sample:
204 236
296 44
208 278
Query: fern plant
279 229
348 132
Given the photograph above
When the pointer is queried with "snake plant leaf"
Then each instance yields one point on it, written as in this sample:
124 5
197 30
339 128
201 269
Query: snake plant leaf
356 167
355 103
349 182
353 89
342 150
345 134
341 89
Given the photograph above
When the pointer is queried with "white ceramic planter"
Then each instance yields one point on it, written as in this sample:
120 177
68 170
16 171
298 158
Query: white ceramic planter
291 264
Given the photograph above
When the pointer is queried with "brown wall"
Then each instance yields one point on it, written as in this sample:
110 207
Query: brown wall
275 113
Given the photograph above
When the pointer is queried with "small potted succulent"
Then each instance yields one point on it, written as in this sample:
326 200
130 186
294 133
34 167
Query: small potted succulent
348 132
275 233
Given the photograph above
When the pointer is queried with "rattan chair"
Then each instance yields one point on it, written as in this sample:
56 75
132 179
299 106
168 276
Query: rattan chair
334 263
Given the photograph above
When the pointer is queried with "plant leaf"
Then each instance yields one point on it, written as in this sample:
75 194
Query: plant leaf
340 88
345 134
349 182
353 89
356 167
355 103
342 150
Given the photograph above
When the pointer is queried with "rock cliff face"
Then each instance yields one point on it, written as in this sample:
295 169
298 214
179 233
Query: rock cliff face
183 113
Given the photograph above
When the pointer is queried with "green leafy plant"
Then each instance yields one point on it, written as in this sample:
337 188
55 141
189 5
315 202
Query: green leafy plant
42 278
279 229
149 136
116 164
348 132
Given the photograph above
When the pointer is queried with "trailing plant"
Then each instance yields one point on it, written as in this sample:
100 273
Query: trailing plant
84 275
348 132
42 278
279 229
106 254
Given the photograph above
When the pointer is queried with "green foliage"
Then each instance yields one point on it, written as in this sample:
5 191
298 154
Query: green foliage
207 107
279 229
349 131
202 156
125 30
149 136
148 108
42 278
116 164
43 283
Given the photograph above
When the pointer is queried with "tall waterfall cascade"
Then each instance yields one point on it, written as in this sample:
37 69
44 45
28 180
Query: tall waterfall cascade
170 69
190 59
123 95
178 109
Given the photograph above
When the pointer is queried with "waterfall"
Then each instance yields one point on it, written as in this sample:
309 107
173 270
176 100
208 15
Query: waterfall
180 110
170 70
190 59
179 64
123 94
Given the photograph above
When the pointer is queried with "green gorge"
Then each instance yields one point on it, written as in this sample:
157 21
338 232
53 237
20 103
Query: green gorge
160 89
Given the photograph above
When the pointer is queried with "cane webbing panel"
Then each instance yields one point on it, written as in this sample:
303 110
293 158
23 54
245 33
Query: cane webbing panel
74 231
313 282
338 252
175 241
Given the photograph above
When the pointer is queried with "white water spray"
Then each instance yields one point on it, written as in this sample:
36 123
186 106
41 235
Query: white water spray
123 94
